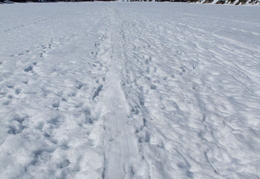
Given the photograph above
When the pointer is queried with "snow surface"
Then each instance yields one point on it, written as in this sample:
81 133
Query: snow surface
129 90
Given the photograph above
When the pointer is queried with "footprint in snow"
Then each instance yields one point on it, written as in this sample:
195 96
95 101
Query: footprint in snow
28 69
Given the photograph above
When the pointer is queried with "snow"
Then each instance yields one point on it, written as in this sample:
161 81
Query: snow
129 90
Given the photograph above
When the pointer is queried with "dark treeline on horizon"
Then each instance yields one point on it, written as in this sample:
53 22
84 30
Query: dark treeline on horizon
191 1
53 0
23 1
39 1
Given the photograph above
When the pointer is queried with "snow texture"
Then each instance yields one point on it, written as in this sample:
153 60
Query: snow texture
129 90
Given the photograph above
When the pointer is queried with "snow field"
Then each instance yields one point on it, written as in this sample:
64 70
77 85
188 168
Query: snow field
129 90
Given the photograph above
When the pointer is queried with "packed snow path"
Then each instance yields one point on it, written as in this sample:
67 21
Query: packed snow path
129 90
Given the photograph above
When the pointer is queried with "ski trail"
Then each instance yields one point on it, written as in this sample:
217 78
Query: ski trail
120 146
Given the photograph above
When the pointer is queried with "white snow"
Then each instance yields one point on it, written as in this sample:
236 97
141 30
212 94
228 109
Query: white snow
129 90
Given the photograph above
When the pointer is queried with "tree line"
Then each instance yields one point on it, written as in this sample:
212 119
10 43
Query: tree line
52 0
239 2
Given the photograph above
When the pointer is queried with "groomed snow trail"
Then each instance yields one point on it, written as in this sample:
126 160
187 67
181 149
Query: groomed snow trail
129 90
120 145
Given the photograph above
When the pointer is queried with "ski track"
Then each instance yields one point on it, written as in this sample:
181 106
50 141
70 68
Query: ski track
119 90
